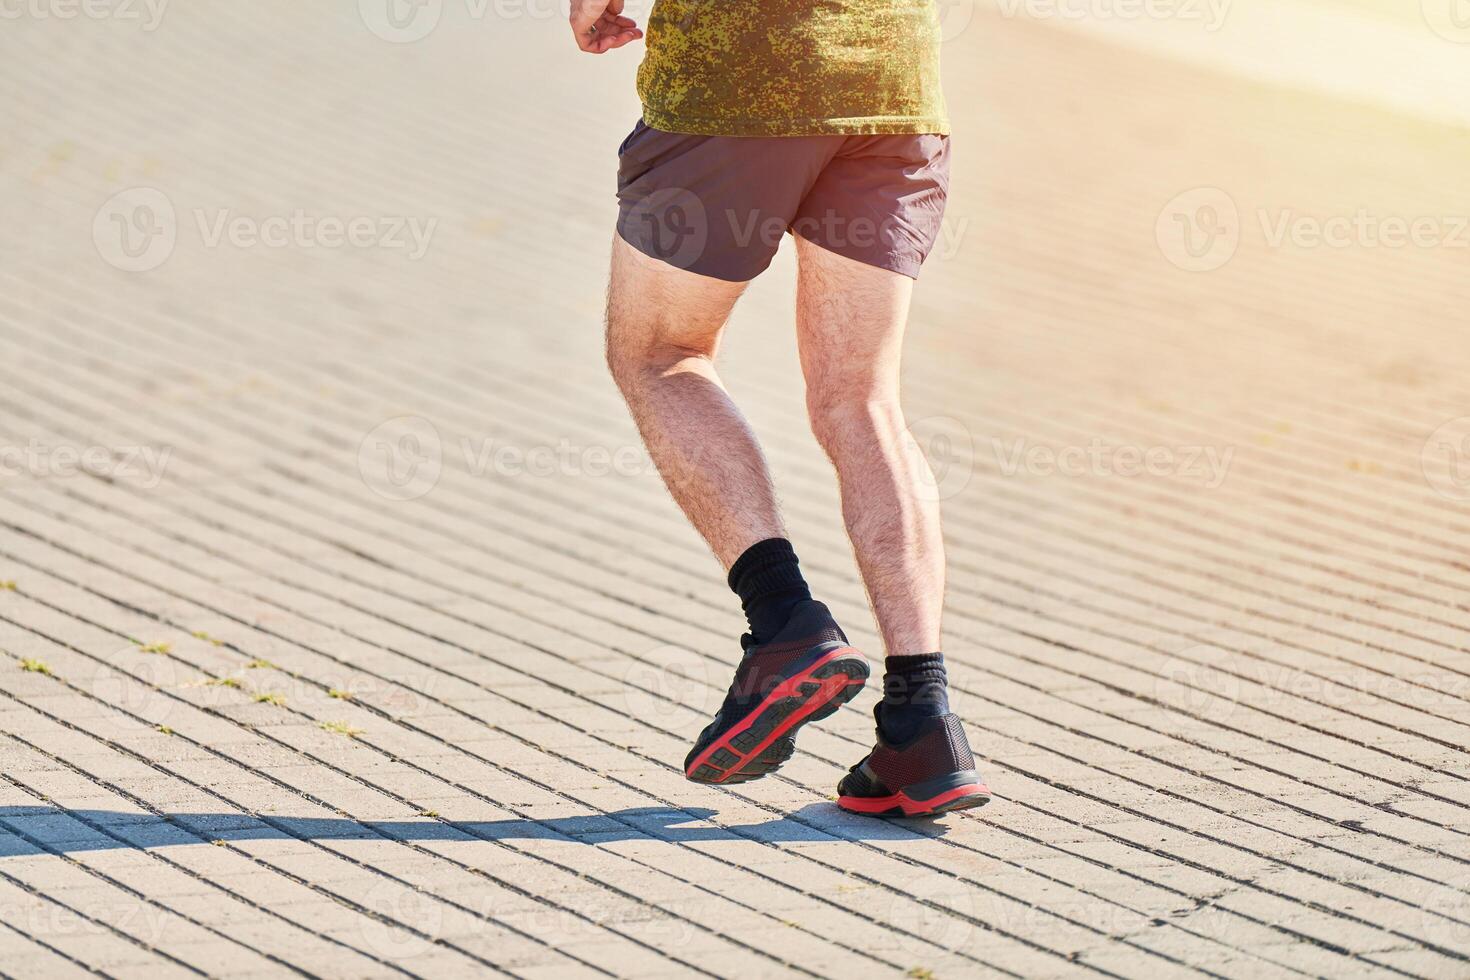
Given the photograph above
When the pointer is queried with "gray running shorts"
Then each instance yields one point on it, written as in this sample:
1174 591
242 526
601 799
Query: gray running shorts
719 205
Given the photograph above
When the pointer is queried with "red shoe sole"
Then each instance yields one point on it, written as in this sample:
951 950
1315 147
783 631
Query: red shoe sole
811 695
901 804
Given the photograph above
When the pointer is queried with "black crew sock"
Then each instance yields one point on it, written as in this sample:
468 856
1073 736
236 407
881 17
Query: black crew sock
768 581
914 688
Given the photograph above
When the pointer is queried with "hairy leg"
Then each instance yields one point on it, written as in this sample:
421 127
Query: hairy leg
663 329
850 324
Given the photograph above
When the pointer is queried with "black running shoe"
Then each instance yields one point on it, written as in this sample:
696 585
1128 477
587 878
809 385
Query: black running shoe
805 673
932 773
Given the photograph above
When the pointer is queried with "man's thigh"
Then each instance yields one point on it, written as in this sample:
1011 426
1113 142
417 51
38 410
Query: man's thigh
653 306
850 322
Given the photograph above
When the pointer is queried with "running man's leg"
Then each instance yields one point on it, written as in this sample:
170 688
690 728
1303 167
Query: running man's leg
850 326
696 221
663 330
850 323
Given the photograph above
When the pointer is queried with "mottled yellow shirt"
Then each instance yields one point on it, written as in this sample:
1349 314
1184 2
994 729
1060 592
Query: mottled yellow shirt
793 67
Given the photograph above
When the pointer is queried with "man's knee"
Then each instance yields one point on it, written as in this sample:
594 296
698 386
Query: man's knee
659 316
638 355
623 359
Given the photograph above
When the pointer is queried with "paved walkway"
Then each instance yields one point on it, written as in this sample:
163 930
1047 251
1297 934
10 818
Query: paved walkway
347 632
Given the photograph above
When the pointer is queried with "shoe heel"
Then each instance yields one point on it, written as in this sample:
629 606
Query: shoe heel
956 791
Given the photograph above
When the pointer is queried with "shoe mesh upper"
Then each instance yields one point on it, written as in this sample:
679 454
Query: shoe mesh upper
767 665
939 749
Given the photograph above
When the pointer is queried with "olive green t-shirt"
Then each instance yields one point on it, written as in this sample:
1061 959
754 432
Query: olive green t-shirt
793 67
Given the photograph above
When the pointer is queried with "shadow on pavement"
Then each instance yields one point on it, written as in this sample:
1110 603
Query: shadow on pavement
28 830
